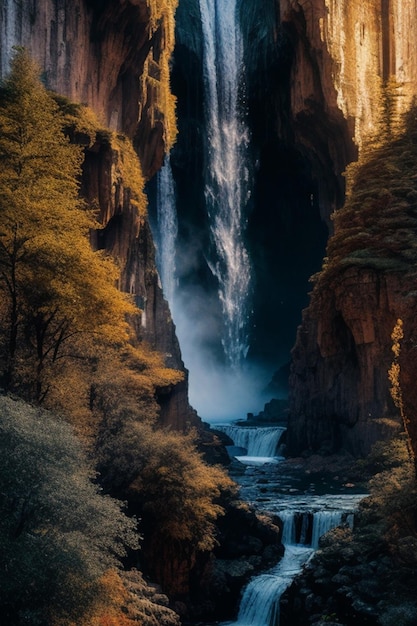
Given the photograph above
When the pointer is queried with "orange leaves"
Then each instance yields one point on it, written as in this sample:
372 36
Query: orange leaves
113 596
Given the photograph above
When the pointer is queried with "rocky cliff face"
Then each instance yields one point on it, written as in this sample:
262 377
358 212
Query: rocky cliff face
339 380
357 58
345 51
113 56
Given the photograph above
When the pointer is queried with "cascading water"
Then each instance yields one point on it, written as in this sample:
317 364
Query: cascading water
8 34
227 173
260 602
302 528
258 442
167 229
305 518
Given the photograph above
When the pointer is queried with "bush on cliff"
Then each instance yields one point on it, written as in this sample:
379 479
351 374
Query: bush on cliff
376 227
174 492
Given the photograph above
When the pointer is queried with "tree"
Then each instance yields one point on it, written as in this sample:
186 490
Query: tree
58 534
52 283
174 492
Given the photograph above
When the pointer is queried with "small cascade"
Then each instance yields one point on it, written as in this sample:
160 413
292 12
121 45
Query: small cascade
306 528
301 532
323 521
257 441
260 601
167 229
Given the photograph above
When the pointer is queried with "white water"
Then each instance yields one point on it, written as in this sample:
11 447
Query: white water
227 178
260 602
8 33
258 442
305 519
261 598
167 225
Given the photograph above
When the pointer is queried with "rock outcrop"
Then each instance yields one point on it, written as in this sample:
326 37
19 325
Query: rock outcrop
112 56
352 61
126 235
340 389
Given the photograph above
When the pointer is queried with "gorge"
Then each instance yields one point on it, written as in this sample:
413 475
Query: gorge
265 130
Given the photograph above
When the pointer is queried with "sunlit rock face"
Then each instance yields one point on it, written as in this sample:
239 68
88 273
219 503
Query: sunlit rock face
349 48
112 56
351 53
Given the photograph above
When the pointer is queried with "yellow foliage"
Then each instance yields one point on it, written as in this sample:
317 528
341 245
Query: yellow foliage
180 491
127 167
162 14
394 377
394 371
396 336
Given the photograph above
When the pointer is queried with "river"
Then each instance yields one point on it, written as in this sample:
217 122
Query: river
307 512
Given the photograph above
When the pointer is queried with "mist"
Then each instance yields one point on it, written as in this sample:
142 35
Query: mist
217 391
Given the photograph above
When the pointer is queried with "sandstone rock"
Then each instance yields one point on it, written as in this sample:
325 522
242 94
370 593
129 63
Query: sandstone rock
98 53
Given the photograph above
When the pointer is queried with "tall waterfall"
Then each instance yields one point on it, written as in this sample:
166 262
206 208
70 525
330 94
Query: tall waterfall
167 228
227 173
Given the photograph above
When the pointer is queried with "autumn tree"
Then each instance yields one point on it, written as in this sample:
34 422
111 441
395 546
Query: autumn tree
53 286
169 486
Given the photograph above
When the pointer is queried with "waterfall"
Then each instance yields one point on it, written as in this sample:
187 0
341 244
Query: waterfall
258 442
167 228
227 173
301 531
260 601
323 521
8 34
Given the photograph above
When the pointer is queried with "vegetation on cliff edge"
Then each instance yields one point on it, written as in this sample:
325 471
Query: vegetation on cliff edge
65 343
376 227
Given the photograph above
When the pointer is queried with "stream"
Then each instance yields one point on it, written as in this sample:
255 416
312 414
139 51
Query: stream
307 510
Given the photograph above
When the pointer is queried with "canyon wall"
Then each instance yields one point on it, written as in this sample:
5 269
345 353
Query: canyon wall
358 59
318 74
113 56
347 50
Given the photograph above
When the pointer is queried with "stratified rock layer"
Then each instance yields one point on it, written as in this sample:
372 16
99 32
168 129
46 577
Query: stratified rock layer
112 56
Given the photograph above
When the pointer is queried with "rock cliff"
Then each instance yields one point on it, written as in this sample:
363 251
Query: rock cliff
353 61
114 57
